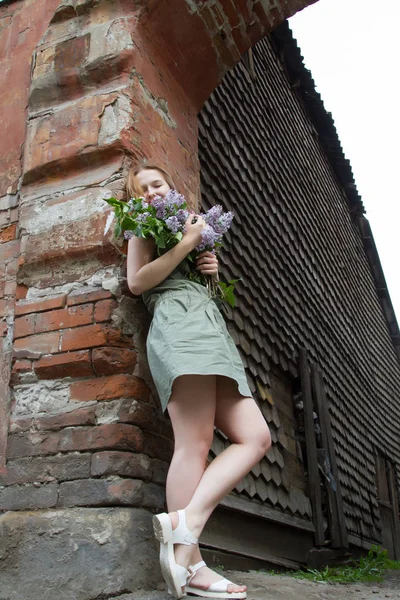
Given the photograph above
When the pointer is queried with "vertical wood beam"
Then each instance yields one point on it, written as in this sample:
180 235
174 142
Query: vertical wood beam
336 515
314 483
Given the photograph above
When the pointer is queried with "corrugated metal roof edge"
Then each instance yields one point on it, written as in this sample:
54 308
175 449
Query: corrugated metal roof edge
324 124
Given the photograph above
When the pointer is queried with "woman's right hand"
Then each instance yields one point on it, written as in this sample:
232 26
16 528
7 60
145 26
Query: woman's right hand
193 230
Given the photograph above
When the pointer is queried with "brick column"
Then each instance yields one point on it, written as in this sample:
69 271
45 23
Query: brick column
80 425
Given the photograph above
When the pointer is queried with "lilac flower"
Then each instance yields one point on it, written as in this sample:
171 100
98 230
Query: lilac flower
182 215
218 220
174 199
208 239
173 224
142 217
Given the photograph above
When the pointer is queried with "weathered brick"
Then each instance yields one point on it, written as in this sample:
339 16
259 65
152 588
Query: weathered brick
157 446
20 368
10 288
71 53
111 386
24 326
28 497
9 250
100 492
61 467
64 318
124 464
43 343
32 444
3 329
29 306
80 416
69 364
8 233
160 471
83 295
103 310
110 360
88 336
21 291
113 436
138 413
154 497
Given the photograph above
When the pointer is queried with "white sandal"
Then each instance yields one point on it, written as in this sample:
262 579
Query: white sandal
219 589
175 575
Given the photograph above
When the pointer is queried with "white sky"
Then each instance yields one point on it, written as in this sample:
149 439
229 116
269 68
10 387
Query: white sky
352 49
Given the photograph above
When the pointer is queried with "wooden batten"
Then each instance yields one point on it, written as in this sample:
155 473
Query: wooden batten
336 517
314 483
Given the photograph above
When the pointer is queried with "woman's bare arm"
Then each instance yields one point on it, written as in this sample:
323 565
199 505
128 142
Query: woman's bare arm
145 273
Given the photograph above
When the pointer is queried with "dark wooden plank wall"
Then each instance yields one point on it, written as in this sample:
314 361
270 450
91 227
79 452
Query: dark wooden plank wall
307 280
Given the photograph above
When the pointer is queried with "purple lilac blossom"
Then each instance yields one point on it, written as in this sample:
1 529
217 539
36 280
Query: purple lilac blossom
182 215
208 239
173 224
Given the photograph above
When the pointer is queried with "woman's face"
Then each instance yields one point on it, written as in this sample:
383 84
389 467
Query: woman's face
153 184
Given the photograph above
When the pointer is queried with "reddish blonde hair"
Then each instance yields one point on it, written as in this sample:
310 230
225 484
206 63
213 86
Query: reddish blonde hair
133 188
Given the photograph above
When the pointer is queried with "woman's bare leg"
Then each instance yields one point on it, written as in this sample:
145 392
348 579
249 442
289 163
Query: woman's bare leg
241 420
192 412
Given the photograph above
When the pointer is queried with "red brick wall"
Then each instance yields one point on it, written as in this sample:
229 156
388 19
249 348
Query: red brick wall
104 82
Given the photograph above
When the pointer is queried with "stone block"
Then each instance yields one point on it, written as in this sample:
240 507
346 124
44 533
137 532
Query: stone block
109 360
101 492
29 496
109 387
77 553
124 464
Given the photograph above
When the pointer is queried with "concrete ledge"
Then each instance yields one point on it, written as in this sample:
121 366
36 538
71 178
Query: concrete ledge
77 553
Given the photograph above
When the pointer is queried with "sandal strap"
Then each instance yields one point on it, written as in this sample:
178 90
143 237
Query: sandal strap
181 573
219 586
194 568
181 534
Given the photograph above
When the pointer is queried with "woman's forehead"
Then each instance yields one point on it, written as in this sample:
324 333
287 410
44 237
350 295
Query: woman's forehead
149 175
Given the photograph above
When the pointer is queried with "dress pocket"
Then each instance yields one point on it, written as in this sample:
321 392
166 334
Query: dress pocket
174 311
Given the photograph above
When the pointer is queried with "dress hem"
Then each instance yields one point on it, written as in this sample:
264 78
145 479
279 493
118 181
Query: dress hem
239 384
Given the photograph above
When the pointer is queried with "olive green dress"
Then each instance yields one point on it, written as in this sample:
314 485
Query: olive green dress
188 335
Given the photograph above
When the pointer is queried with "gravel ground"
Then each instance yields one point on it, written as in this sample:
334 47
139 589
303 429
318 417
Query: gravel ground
262 586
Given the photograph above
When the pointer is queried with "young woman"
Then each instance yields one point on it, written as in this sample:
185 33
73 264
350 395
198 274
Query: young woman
200 379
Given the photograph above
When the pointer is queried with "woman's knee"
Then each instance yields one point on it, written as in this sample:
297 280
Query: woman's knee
262 440
194 446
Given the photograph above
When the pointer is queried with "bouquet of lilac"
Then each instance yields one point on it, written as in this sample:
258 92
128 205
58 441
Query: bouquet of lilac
164 220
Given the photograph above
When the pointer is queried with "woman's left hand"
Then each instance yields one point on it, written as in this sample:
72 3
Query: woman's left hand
207 264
